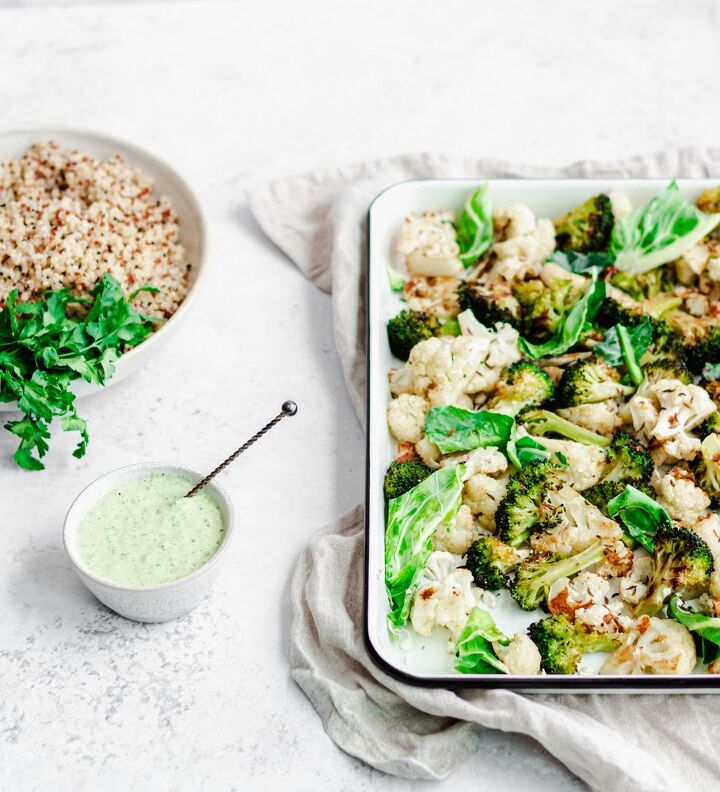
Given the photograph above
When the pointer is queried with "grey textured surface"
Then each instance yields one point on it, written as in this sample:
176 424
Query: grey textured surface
231 92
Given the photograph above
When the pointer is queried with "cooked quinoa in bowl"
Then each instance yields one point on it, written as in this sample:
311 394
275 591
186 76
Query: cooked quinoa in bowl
66 218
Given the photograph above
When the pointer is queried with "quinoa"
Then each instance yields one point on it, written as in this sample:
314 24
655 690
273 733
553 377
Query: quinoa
66 218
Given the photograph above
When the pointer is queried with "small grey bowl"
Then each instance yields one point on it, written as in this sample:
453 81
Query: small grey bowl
147 603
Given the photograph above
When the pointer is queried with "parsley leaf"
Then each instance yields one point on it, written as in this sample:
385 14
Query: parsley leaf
44 348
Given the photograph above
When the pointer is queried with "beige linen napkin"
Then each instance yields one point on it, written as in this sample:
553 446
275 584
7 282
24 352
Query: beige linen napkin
612 742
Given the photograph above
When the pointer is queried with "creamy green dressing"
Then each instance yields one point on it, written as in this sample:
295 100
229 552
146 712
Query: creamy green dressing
144 533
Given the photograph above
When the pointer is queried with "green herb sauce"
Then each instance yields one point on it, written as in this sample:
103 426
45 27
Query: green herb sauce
144 532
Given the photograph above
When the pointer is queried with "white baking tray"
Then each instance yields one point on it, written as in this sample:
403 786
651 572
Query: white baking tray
425 661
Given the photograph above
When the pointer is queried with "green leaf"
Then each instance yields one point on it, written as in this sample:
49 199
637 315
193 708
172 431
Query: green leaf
705 629
711 372
523 451
474 651
43 350
640 515
411 521
626 345
581 263
455 429
659 232
474 227
578 320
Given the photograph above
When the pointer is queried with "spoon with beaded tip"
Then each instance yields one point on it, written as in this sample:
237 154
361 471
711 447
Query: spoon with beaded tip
288 408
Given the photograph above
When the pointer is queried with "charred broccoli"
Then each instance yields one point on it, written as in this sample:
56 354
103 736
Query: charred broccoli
711 424
491 561
667 368
703 349
543 422
523 385
489 305
644 286
586 228
543 306
682 564
601 493
709 201
666 345
590 380
519 511
409 328
562 643
707 473
537 573
403 476
629 462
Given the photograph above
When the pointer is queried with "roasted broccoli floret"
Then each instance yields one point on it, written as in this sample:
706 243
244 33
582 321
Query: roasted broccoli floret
519 511
629 462
711 424
590 380
707 473
612 312
682 564
491 561
489 305
667 344
709 201
562 643
409 328
403 476
704 349
667 368
523 385
543 306
544 422
539 571
604 491
642 287
587 227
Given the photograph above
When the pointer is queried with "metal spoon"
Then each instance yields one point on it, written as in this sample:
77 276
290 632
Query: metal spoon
288 408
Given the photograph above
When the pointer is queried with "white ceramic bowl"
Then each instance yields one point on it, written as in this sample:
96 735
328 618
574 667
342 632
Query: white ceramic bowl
147 603
193 228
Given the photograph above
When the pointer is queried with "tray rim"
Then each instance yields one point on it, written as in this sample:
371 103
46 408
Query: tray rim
589 683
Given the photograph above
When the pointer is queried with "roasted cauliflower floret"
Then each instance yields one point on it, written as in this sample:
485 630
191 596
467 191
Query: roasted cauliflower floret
653 646
665 411
445 597
601 417
459 535
482 494
708 528
586 600
634 585
428 452
521 656
485 460
449 370
696 258
406 417
429 245
575 524
678 493
525 243
620 204
585 463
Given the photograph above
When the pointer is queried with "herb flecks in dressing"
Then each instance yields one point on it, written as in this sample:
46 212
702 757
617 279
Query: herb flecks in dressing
145 533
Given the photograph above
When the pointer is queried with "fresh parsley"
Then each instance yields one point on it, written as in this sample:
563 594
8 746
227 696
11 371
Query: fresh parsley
44 348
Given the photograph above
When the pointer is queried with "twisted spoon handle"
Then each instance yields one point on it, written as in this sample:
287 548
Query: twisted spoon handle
288 408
